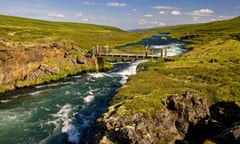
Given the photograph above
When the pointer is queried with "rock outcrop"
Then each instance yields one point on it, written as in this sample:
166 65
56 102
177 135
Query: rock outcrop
186 118
166 126
21 66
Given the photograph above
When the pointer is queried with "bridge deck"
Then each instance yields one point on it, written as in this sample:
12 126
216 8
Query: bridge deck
136 56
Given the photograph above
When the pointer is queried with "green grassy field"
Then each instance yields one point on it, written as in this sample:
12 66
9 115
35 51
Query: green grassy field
30 32
211 69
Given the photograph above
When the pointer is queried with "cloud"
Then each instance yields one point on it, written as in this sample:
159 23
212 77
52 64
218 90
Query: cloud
202 12
176 12
162 12
148 15
56 15
134 9
85 19
164 7
88 3
222 17
150 23
116 4
78 15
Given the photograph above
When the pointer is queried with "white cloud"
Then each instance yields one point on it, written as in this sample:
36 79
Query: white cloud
202 12
78 15
162 24
150 23
222 18
162 12
88 3
134 9
85 19
164 7
148 15
56 15
116 4
176 12
142 22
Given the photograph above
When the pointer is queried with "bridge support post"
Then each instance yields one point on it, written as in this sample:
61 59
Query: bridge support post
165 49
99 63
161 52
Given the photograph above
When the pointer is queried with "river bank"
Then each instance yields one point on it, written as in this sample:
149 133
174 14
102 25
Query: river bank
61 112
181 100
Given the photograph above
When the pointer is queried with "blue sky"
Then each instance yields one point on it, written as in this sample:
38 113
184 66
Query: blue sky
125 14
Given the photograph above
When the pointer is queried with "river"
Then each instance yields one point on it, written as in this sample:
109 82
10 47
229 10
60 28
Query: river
62 112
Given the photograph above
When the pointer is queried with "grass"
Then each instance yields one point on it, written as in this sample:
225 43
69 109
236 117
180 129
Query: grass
210 69
86 36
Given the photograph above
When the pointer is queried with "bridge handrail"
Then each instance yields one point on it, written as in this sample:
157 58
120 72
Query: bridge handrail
98 51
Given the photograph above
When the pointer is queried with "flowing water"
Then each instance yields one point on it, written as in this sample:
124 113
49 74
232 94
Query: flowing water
66 111
61 112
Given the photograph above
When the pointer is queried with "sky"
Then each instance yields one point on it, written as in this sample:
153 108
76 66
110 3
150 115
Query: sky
124 14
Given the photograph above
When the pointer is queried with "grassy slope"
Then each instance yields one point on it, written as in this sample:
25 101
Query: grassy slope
211 69
86 36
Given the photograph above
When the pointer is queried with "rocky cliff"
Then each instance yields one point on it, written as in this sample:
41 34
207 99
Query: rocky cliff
186 118
22 66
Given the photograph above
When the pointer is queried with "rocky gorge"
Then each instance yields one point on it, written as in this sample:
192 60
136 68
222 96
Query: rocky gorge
186 118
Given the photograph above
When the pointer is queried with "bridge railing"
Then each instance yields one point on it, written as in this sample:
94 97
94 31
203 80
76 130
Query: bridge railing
140 50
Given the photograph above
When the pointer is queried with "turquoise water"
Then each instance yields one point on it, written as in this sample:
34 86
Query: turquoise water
63 112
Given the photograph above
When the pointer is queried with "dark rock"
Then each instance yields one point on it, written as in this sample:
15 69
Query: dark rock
163 127
56 45
229 135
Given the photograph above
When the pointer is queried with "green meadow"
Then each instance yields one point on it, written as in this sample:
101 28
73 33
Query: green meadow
31 32
211 68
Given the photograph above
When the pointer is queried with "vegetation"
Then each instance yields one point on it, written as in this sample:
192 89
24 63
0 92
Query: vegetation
29 32
211 69
21 37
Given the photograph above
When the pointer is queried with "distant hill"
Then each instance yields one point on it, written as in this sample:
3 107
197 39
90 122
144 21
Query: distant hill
84 35
231 25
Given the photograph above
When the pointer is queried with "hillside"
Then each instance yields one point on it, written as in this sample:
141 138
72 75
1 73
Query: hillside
211 69
30 31
229 26
36 51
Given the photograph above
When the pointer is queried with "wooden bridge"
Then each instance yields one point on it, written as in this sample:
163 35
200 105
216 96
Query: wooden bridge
147 53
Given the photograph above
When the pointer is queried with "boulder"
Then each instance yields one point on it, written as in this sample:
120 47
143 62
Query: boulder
81 60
